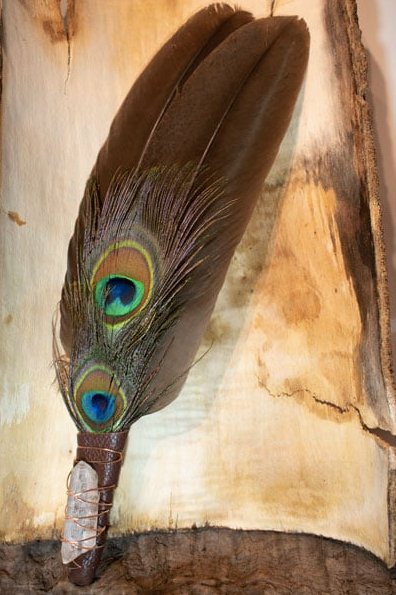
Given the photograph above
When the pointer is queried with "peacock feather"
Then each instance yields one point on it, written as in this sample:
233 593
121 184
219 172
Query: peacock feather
164 208
136 279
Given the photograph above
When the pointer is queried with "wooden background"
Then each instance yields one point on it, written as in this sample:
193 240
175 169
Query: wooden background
288 422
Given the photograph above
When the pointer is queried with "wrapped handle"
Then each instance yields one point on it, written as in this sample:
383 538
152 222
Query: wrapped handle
104 453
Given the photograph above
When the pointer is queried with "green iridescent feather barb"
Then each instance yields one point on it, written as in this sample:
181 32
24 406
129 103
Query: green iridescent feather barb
166 204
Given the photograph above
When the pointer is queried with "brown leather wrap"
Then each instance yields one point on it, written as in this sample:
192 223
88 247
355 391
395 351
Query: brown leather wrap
104 453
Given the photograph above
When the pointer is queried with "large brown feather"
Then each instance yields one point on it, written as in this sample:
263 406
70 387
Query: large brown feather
220 95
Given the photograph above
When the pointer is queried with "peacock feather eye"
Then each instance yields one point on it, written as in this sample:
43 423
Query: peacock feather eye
99 406
118 295
122 281
99 399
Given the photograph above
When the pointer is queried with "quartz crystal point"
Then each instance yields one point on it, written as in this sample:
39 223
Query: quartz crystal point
81 512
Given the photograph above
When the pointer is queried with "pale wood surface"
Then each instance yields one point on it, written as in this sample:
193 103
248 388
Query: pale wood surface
287 422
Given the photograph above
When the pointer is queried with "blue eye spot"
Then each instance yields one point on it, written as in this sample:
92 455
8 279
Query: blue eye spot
98 406
120 289
118 295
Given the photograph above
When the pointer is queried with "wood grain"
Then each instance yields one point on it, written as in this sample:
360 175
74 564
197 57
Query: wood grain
288 422
204 562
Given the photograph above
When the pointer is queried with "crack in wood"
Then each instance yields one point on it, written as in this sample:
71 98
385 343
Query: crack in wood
385 437
64 10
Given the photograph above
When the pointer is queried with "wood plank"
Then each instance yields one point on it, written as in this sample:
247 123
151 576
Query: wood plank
288 422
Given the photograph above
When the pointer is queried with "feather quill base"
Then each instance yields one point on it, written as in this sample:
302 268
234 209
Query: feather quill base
104 453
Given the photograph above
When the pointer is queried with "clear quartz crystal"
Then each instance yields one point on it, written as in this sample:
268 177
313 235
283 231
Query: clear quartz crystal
81 512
